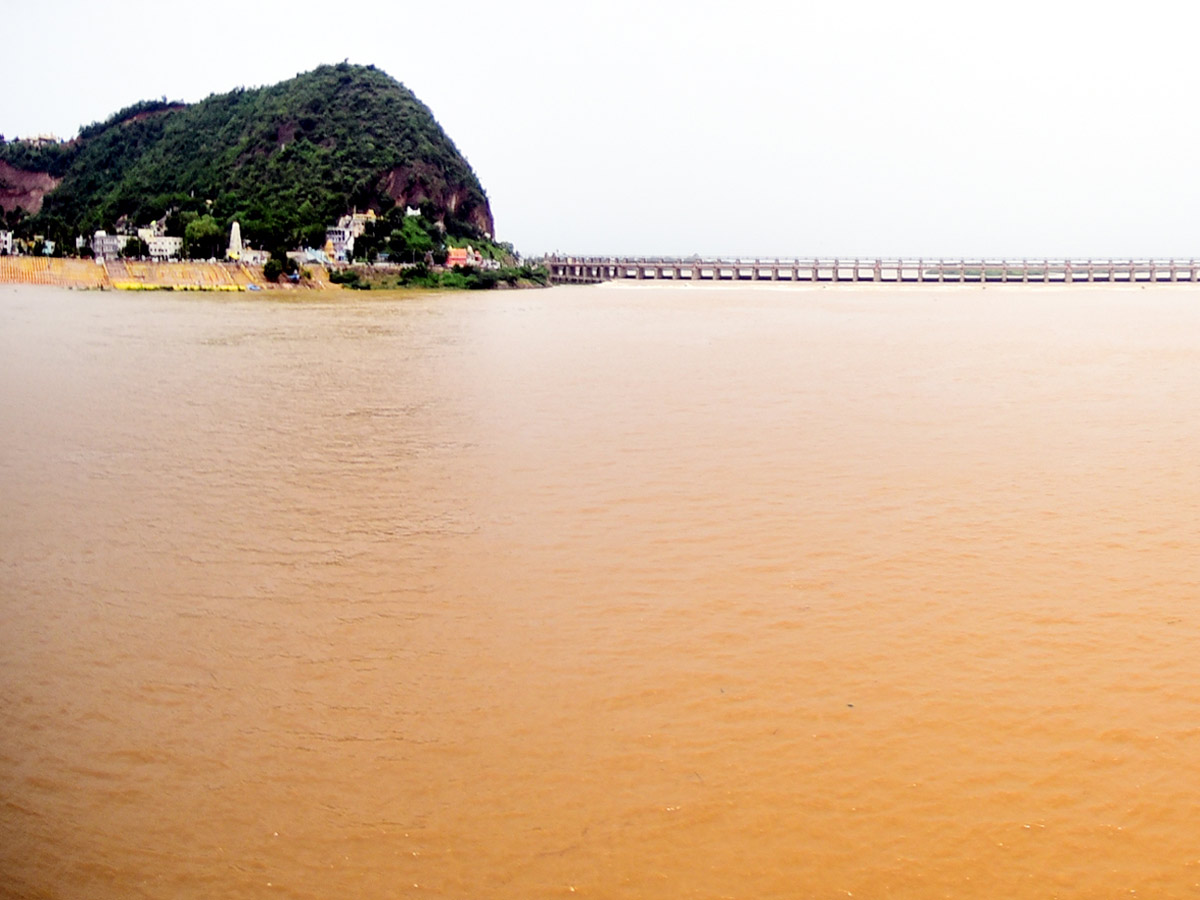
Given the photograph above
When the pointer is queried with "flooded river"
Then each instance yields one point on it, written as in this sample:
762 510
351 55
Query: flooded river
622 592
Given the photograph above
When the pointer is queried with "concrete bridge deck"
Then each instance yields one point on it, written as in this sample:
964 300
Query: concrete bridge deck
593 270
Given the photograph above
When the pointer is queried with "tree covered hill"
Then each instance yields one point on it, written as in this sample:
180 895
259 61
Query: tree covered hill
285 161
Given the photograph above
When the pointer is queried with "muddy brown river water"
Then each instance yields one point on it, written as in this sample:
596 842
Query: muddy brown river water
622 592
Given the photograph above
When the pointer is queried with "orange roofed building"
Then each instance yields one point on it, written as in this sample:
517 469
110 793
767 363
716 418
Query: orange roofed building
463 256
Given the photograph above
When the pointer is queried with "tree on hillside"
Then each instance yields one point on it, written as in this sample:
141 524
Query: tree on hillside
14 217
287 265
368 244
203 237
413 239
135 248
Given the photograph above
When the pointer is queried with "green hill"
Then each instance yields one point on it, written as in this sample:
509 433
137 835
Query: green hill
285 161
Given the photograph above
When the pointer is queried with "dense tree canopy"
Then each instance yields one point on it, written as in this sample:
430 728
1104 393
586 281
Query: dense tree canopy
285 161
202 237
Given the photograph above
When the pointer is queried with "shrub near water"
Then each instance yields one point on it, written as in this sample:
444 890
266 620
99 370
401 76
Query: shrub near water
459 278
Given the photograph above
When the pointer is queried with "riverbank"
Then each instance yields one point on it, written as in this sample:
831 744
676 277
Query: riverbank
382 277
123 275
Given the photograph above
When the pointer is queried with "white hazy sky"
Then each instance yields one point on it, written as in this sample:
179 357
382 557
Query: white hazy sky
753 128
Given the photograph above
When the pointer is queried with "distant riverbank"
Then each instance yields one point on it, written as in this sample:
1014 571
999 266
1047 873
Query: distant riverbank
124 275
385 277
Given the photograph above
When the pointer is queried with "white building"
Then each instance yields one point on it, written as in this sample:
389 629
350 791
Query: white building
163 247
6 243
153 230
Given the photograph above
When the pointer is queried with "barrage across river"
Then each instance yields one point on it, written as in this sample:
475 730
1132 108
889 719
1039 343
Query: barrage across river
593 270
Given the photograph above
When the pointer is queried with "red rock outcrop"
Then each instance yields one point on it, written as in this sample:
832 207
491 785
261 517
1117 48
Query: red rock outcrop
24 189
415 184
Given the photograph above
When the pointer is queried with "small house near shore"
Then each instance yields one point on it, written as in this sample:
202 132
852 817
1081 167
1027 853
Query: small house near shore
466 256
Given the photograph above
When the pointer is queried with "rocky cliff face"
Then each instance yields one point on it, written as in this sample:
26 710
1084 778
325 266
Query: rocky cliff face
418 184
24 189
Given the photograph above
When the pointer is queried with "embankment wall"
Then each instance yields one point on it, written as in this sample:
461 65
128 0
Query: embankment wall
85 274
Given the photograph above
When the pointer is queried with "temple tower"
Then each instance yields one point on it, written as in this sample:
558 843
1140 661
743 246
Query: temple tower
235 242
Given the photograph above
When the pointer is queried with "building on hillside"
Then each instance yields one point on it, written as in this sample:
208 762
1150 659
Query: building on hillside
464 256
108 246
6 243
42 140
252 257
339 239
359 221
153 230
339 243
164 247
